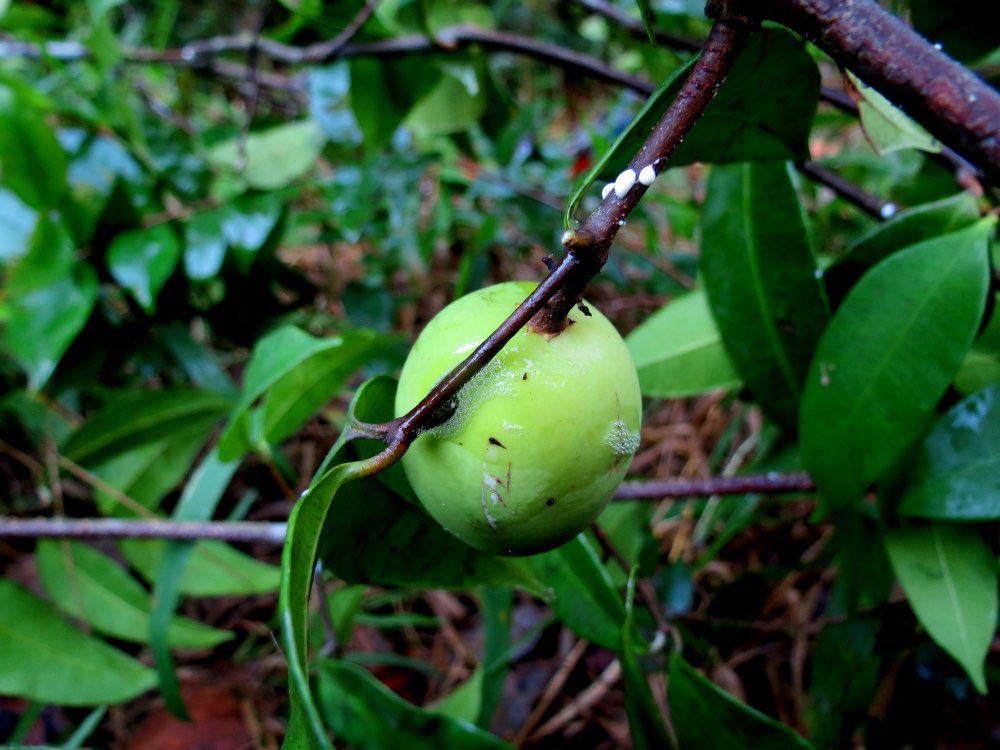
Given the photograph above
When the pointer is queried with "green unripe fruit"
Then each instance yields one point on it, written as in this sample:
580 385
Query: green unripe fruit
540 438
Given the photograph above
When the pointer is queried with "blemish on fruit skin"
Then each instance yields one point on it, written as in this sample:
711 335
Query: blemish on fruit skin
494 441
524 377
550 502
624 183
486 512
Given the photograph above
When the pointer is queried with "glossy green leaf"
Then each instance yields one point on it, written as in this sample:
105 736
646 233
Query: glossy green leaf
913 225
215 568
32 163
454 104
763 112
142 261
50 296
131 419
582 593
44 658
885 125
464 702
886 358
378 117
298 373
369 716
706 717
242 226
648 19
956 473
760 276
17 224
272 158
88 586
949 574
644 719
678 350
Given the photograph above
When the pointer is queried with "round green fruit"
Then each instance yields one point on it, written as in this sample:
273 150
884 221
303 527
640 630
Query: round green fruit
540 438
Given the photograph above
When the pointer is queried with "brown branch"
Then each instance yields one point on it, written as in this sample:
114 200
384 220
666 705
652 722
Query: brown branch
593 239
954 105
763 484
118 528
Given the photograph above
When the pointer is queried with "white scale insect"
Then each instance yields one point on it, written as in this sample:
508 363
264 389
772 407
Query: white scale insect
627 179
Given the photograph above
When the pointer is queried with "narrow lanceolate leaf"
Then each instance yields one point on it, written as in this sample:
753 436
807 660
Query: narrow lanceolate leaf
131 419
678 350
956 474
644 719
888 355
44 658
950 577
91 587
760 275
706 717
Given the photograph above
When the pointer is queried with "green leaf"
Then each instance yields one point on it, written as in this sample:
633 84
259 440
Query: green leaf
379 98
761 280
89 586
648 19
454 104
17 224
197 503
844 677
369 716
142 261
32 163
272 158
950 577
706 717
911 226
763 112
956 473
329 92
51 296
298 373
215 568
464 702
886 358
644 719
243 225
44 658
497 607
982 364
678 350
131 419
885 125
583 595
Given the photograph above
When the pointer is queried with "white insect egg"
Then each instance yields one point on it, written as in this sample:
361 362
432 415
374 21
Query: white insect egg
647 175
624 183
606 190
888 210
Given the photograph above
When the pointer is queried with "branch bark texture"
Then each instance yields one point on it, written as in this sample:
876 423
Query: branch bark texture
949 100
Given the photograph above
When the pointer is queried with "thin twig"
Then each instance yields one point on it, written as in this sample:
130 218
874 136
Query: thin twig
763 484
871 204
121 528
